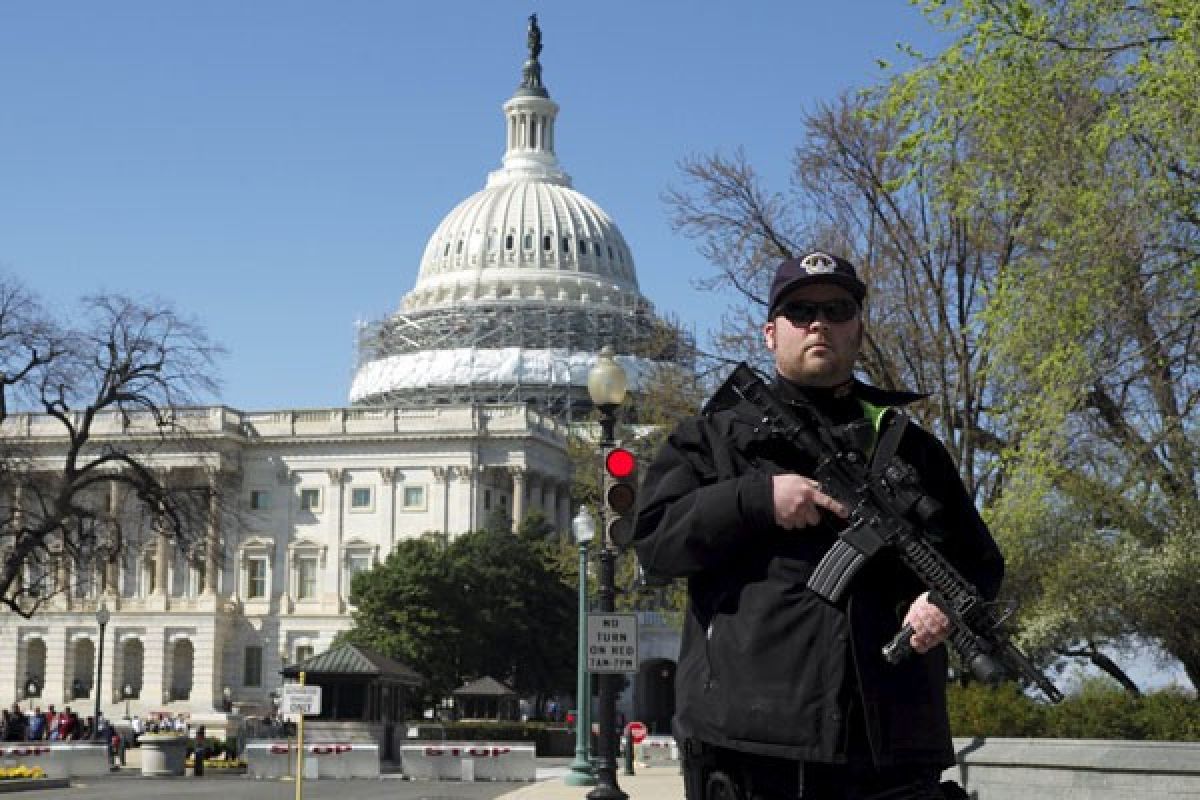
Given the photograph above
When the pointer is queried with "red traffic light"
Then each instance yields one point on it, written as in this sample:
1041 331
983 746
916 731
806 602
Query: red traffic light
620 463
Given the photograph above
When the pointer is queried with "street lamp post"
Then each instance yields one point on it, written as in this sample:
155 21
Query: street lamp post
127 692
581 773
606 386
102 617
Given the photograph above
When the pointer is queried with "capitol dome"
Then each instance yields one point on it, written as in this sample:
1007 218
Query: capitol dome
519 287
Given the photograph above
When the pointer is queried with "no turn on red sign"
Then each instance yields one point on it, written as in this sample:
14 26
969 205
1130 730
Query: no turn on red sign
637 731
612 642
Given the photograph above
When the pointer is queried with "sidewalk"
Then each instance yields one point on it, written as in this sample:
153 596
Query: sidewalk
650 783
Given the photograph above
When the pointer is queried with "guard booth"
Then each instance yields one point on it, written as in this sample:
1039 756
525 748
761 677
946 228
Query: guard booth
486 698
364 697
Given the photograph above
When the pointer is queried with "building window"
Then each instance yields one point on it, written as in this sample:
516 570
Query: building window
361 498
256 578
310 499
528 241
487 499
566 245
149 575
356 563
198 572
260 499
304 652
582 247
414 498
508 242
252 666
359 562
306 578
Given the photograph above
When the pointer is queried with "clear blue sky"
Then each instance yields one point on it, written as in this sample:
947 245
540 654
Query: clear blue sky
275 168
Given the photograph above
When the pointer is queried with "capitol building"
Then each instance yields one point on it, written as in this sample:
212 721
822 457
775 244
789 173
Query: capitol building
458 409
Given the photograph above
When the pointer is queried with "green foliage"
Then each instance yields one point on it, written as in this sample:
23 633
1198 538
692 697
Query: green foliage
1098 710
979 710
458 608
1082 119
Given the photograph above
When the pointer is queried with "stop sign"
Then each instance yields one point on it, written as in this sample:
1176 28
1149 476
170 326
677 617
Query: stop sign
637 731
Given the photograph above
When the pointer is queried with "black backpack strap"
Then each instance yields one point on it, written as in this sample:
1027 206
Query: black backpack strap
889 441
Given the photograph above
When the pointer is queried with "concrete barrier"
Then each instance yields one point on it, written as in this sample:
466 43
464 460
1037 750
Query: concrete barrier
469 761
1076 769
277 759
656 751
58 759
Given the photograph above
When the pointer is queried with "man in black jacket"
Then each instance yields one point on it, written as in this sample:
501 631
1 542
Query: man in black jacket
780 694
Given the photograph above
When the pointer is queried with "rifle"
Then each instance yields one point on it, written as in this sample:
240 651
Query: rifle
882 502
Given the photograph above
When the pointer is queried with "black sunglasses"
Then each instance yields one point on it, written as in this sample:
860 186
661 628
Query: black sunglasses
802 312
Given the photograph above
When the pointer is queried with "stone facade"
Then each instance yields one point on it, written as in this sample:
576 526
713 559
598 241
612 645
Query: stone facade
320 494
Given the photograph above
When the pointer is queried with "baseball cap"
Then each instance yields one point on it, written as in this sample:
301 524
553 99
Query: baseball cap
816 267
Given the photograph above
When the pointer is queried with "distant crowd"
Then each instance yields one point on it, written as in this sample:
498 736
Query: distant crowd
51 725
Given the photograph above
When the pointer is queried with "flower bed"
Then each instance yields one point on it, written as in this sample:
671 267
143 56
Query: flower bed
21 772
220 763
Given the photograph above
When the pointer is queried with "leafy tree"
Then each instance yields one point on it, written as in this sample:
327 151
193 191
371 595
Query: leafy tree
1084 115
73 497
483 603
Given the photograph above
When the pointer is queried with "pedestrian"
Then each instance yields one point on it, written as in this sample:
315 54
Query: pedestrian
778 692
51 719
199 751
37 725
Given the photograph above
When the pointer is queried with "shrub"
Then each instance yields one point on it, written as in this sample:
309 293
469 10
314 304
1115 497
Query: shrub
979 710
1098 710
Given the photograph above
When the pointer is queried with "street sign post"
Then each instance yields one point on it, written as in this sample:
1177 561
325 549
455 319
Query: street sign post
302 700
612 642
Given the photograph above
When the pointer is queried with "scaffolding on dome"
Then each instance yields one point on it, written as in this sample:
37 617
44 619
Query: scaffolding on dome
521 326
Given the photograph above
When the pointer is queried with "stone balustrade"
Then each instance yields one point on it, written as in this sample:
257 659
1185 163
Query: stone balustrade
1076 769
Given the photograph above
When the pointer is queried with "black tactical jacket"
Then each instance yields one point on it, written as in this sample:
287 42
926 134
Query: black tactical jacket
766 665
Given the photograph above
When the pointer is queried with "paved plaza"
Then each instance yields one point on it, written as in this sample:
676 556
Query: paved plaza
654 783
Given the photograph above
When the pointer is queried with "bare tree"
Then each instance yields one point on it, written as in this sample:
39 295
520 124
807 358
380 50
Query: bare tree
853 192
85 407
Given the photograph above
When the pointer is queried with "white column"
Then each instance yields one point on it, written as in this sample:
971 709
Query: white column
518 507
336 479
387 502
212 544
162 557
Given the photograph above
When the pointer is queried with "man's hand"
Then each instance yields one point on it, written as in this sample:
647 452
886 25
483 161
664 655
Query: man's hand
799 500
930 626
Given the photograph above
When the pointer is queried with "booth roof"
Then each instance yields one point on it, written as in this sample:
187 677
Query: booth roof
486 686
352 659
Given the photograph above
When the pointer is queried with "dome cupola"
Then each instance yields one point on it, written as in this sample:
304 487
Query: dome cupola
519 286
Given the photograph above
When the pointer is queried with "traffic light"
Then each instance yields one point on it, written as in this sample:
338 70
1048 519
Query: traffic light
620 493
